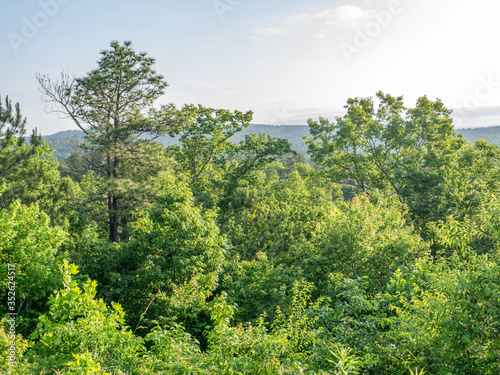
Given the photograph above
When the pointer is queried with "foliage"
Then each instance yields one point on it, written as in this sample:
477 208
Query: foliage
12 347
294 345
13 151
216 166
81 333
27 170
29 245
38 181
204 135
111 105
360 238
272 214
450 314
171 263
258 286
346 362
390 148
477 232
230 254
253 154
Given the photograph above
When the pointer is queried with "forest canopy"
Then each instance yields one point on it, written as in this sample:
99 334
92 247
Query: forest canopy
375 253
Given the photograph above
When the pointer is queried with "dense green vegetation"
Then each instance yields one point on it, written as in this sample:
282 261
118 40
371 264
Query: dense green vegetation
225 255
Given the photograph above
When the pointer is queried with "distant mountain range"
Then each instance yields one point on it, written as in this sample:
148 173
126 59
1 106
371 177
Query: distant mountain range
64 143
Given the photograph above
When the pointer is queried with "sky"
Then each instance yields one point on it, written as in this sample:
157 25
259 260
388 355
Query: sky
287 61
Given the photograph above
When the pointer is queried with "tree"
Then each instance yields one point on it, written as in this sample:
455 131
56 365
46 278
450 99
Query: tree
272 214
14 153
171 263
30 245
204 135
111 105
176 255
359 239
411 153
241 168
81 333
449 314
379 147
215 166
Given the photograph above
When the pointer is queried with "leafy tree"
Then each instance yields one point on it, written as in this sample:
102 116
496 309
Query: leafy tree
176 254
357 239
203 135
478 232
390 147
30 245
449 314
270 215
170 265
111 105
39 182
259 286
376 147
28 171
454 188
241 170
254 153
81 333
215 165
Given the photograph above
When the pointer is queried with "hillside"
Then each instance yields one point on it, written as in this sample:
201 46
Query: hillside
64 142
491 134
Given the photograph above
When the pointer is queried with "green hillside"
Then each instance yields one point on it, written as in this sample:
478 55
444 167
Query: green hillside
64 142
491 134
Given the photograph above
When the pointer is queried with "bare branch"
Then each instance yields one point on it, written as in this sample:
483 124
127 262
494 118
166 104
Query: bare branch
58 96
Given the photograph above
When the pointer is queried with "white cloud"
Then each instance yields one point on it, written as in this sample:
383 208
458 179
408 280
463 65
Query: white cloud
330 16
321 24
349 13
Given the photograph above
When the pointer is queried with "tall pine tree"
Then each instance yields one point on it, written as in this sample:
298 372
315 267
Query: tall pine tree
112 106
15 152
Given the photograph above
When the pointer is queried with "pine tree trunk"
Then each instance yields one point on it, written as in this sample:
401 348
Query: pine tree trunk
112 202
113 218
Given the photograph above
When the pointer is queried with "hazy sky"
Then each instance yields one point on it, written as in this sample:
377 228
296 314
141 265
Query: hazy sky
285 60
